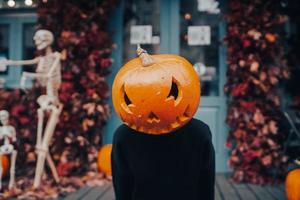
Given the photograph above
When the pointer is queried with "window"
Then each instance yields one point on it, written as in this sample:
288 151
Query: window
4 45
28 44
137 13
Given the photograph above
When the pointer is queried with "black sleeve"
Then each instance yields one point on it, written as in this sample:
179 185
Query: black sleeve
122 178
207 173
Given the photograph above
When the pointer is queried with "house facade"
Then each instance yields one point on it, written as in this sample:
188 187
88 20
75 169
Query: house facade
194 29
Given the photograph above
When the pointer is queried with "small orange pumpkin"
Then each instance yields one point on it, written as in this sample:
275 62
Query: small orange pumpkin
104 160
5 164
270 37
292 185
156 94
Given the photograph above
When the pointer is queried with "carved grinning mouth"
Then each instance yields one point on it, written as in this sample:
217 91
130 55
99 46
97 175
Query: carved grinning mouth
153 118
183 118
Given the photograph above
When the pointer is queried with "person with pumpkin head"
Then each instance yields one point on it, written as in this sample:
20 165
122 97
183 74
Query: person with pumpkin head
160 152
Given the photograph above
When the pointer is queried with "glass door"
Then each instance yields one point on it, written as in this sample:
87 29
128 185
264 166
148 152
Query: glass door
196 31
200 43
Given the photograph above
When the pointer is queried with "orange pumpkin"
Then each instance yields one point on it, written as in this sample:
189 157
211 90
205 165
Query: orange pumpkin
270 37
104 160
5 164
292 185
156 94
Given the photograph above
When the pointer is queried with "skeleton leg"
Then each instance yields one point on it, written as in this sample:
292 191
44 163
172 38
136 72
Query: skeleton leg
42 153
52 167
12 169
39 131
40 127
40 168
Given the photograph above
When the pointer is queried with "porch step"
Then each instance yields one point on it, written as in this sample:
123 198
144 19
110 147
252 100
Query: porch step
224 190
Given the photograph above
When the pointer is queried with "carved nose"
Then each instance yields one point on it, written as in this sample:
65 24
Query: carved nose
152 117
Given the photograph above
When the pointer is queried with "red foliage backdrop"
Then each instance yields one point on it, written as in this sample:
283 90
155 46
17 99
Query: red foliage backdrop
81 33
256 65
294 52
81 30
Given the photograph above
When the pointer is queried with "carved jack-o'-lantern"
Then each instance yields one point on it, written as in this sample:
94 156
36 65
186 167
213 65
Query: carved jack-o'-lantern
156 94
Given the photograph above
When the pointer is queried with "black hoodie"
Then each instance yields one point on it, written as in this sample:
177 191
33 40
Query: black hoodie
176 166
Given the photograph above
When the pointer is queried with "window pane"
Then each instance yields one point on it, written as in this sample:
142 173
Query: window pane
28 44
199 43
4 45
141 12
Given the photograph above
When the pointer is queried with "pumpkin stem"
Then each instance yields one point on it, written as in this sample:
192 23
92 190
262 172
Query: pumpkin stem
147 59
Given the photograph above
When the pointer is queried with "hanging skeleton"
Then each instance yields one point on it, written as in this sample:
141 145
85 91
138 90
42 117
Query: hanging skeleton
48 75
7 133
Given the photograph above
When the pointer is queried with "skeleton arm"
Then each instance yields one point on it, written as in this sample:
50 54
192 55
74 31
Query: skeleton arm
13 134
26 75
34 75
20 62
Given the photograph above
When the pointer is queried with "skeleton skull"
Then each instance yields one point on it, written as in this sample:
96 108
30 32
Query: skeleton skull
43 38
4 115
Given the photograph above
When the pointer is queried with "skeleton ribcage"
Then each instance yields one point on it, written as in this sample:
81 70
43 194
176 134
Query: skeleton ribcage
6 132
44 67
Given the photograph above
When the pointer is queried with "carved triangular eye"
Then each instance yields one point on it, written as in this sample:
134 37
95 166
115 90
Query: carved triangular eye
174 90
127 100
125 96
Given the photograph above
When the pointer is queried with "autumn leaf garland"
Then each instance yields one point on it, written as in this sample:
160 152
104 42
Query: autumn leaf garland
255 67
